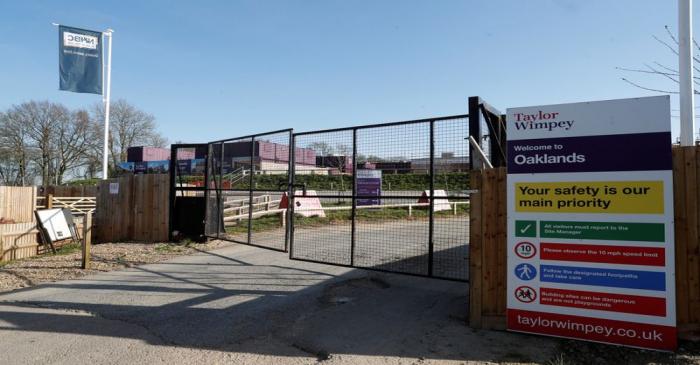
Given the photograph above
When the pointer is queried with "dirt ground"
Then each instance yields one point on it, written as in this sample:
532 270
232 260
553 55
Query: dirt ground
403 320
105 257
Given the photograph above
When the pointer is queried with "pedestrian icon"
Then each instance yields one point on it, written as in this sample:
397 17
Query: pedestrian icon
525 272
525 294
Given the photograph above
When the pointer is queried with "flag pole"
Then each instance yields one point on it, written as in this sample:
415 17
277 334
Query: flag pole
685 69
106 95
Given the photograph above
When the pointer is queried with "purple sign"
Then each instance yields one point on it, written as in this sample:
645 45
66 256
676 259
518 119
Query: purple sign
617 152
369 187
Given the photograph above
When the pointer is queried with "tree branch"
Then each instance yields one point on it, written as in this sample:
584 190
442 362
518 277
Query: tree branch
648 89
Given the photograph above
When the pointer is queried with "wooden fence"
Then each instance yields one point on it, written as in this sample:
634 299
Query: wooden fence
71 191
21 240
18 240
79 205
133 208
686 199
488 244
487 249
64 191
17 203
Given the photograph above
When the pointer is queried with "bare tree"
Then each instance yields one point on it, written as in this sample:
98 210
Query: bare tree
658 69
128 127
72 144
41 122
14 154
322 148
46 139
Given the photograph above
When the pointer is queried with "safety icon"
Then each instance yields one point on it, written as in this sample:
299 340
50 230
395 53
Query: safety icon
525 294
525 272
525 250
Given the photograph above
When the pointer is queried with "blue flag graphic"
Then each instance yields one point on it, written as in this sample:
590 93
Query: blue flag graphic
80 60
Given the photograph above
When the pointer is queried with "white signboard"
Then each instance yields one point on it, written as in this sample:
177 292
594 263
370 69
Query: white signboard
590 222
55 223
114 188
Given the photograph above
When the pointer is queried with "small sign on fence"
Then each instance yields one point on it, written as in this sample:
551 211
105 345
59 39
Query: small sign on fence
369 187
114 188
590 222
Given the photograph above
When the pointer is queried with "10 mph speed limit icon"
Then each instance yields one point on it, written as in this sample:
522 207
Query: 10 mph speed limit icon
525 250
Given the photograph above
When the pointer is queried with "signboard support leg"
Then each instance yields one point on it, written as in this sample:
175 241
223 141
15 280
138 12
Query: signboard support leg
87 239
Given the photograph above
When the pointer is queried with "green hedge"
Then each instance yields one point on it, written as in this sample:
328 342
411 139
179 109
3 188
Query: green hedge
446 181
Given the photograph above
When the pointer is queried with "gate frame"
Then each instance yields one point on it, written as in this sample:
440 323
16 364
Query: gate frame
250 189
173 167
354 195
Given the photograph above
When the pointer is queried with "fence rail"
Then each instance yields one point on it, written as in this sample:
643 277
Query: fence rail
241 216
79 205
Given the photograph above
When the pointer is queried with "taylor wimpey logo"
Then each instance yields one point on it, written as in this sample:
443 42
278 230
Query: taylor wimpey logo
79 40
541 120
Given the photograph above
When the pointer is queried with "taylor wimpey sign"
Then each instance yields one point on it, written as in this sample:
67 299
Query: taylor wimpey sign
590 222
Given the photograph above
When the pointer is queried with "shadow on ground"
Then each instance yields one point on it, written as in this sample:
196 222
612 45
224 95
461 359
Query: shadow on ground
234 300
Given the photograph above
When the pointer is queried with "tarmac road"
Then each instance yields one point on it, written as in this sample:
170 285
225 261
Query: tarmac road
247 305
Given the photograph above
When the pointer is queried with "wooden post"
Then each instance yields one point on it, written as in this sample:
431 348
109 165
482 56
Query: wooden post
49 201
87 239
455 208
410 209
283 218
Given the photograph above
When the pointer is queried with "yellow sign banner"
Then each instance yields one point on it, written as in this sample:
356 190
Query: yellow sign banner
625 197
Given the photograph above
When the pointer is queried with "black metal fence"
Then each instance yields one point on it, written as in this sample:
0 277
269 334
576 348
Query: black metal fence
390 197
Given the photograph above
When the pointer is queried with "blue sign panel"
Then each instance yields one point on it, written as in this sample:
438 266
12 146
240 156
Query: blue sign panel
632 279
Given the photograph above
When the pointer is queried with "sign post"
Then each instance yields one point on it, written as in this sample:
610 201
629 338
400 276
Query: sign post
590 222
106 96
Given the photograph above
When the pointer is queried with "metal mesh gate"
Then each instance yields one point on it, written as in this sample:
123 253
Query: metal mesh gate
389 197
248 178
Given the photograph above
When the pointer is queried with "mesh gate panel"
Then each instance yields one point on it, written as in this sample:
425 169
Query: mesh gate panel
451 220
248 178
393 197
323 165
269 183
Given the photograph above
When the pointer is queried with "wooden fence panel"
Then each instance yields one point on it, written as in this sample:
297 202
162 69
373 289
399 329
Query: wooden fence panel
487 249
112 208
686 163
18 241
138 211
17 203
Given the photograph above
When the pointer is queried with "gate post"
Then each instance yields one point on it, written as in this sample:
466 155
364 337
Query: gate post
480 111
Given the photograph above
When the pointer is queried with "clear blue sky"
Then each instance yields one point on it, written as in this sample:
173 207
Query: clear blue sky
214 69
